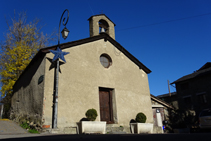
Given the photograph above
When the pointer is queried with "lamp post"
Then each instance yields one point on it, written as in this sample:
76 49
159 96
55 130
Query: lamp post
58 54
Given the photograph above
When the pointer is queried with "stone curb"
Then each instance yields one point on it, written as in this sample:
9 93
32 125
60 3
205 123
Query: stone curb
5 119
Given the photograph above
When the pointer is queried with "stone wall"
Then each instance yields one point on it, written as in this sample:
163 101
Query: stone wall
94 26
27 100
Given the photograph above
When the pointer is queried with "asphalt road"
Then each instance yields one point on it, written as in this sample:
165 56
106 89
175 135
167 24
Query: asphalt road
122 137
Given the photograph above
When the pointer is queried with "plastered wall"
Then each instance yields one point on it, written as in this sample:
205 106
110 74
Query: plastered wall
80 79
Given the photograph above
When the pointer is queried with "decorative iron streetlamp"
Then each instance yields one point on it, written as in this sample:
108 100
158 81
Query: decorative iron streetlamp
58 54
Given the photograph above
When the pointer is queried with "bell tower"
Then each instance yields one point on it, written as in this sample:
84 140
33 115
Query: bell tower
101 23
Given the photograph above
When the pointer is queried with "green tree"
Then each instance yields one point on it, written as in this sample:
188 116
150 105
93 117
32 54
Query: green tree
22 42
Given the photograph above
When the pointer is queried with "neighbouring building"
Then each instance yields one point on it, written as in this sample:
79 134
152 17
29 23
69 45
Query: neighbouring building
160 110
170 98
194 90
99 73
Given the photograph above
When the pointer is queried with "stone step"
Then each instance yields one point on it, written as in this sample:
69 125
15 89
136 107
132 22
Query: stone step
52 131
116 133
114 129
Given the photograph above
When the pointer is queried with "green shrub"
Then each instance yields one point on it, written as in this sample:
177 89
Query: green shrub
91 114
141 117
25 125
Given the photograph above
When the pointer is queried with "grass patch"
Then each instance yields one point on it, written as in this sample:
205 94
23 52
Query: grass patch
25 125
33 131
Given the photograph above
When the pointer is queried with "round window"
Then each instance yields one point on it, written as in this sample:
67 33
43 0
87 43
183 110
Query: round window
105 60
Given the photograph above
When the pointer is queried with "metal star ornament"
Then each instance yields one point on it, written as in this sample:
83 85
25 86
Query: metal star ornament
59 54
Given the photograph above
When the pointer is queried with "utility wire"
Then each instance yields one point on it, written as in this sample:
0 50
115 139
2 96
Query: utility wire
91 8
165 22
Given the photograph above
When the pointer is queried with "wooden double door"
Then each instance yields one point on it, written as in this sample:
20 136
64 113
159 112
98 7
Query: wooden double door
106 110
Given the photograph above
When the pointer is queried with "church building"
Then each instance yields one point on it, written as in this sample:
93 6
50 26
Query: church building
99 73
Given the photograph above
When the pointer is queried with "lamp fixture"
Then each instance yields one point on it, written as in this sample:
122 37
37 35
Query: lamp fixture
65 33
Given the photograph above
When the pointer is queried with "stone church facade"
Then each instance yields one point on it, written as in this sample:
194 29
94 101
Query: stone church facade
99 73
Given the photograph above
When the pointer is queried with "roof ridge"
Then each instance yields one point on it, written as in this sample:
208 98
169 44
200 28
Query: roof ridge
192 75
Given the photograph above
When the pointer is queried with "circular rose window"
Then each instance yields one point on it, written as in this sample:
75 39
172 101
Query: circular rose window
105 60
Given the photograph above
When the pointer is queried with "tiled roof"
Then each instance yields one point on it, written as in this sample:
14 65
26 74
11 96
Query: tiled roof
166 95
204 70
207 65
161 101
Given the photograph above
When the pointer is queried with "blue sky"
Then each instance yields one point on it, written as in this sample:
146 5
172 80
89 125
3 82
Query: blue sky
171 37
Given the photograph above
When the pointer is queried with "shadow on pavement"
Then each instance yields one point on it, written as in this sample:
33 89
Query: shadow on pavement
122 137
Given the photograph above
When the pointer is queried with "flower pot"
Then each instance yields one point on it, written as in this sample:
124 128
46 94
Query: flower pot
141 128
93 127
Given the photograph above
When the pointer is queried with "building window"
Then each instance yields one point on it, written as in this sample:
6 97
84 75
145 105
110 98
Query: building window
184 86
187 100
105 60
202 98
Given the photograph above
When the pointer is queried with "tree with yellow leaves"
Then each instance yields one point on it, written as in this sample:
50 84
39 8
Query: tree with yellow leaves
22 42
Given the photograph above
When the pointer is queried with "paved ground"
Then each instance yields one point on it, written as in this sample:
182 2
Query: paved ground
11 131
10 127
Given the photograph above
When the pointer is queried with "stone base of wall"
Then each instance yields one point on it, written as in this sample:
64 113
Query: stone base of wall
65 130
34 121
117 129
157 130
110 129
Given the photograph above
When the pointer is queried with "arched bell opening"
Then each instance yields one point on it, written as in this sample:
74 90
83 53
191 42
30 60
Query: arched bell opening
103 26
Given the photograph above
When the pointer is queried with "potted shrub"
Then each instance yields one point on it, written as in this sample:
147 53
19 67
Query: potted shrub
91 114
140 126
91 126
